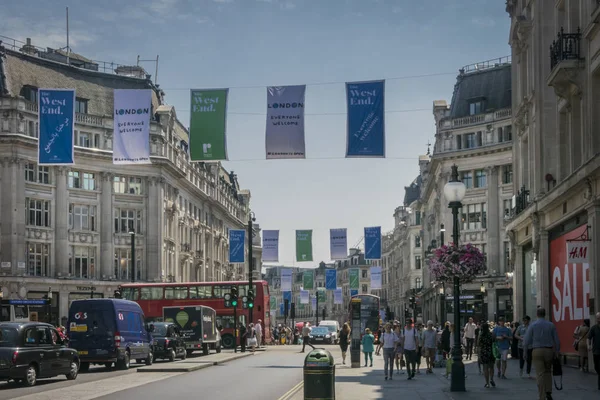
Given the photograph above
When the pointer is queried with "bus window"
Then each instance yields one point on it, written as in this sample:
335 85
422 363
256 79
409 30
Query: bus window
243 290
151 293
219 291
200 292
177 293
130 293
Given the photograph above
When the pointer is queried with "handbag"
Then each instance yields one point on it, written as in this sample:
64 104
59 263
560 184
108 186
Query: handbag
557 371
496 351
576 344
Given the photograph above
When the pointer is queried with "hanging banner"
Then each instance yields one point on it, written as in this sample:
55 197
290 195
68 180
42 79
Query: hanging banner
131 127
338 296
338 243
273 303
375 278
304 296
56 117
322 293
308 280
330 279
208 122
281 309
237 240
287 296
353 292
313 302
373 243
578 251
270 249
366 124
353 278
286 280
304 245
285 122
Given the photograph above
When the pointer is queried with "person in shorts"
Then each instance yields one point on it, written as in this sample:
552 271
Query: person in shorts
429 346
503 336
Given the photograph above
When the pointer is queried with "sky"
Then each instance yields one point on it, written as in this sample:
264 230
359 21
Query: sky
247 45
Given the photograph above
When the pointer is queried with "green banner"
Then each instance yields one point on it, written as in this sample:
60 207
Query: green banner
208 116
308 280
273 302
301 306
304 245
322 295
354 281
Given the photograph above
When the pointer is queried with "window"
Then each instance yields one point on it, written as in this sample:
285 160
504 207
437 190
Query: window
505 133
38 259
38 212
82 180
151 293
476 107
480 178
135 185
507 174
365 273
85 139
177 293
30 93
417 241
81 105
417 262
37 174
418 217
471 141
467 178
130 185
418 283
123 264
128 221
365 288
82 217
82 261
474 216
201 292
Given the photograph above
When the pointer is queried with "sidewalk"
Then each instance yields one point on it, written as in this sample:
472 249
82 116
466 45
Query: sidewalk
368 383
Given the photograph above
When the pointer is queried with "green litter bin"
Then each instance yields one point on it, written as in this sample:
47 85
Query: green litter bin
319 375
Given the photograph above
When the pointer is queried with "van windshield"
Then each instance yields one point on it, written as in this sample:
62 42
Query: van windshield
331 328
91 322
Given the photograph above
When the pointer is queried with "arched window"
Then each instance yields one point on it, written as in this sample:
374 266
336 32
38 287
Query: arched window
418 283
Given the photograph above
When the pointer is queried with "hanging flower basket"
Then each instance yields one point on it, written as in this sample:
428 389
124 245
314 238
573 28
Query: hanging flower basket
463 262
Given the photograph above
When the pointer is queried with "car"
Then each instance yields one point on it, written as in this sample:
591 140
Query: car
33 350
168 343
320 335
334 328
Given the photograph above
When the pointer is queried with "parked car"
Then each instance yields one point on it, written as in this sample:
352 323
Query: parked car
168 343
107 331
33 350
320 334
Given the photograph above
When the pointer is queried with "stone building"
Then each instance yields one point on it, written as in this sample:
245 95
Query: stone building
66 230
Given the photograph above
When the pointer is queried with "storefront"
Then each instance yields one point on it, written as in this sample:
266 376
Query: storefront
471 305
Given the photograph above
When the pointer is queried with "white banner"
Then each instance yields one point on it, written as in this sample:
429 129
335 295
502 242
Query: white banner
375 278
286 280
285 122
578 251
337 296
313 303
304 296
131 131
338 244
270 249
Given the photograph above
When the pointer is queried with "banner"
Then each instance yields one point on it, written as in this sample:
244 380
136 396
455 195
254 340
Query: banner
237 241
273 303
131 127
338 297
322 293
366 123
353 292
373 243
281 309
287 296
375 278
270 249
56 119
353 278
304 296
304 245
285 122
338 244
208 121
308 280
286 280
578 251
330 279
313 302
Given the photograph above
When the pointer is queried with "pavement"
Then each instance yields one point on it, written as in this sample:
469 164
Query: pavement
193 364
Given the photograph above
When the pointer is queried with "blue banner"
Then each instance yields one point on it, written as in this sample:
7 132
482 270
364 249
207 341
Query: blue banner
330 279
287 296
373 243
237 240
56 119
281 309
366 123
353 292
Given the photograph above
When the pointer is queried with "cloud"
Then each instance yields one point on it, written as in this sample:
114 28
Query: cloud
51 34
288 5
483 22
160 6
397 10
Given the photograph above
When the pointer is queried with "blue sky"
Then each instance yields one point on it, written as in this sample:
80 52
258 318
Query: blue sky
247 45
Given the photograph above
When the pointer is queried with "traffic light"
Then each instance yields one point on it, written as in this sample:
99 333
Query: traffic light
293 311
406 313
324 313
286 305
234 296
412 302
250 299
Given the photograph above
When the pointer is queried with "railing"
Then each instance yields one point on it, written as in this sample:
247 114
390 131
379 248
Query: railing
522 201
493 63
567 46
470 120
88 119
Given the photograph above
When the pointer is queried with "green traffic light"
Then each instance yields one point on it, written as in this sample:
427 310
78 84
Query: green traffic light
250 305
234 303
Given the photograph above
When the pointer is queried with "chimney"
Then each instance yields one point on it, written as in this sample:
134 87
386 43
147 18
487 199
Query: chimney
28 48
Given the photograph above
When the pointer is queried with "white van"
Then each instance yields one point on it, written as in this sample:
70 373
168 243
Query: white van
334 329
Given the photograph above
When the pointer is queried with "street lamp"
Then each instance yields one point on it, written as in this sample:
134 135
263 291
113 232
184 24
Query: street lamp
132 233
251 219
455 191
442 233
49 305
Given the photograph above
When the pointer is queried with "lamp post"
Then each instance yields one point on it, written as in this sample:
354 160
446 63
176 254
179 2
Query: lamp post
49 305
442 233
251 219
132 233
454 191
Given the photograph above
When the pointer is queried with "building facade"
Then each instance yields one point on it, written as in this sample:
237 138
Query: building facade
70 229
556 90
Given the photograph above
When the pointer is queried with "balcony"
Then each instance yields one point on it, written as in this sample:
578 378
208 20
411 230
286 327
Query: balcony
565 64
522 201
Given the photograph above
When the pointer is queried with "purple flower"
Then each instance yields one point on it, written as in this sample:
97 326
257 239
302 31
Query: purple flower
464 262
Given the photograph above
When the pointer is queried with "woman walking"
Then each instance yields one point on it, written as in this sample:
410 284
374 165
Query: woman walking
388 340
581 345
486 354
368 341
344 340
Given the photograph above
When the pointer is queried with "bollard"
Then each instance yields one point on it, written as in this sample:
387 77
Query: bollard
319 375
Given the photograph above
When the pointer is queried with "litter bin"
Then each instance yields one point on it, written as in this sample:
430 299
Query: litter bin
319 375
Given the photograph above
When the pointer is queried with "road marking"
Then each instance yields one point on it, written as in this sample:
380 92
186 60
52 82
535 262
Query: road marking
290 393
103 387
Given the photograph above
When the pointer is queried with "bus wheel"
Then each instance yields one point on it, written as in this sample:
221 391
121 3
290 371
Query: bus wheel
228 341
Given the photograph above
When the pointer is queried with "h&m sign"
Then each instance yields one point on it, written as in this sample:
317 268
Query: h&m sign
578 251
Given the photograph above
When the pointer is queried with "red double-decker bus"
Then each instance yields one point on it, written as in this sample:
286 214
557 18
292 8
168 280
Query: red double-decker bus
152 297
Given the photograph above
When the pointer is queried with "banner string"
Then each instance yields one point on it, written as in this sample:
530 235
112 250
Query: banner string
315 158
331 113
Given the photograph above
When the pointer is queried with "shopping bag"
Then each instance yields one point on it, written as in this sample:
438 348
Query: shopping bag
557 372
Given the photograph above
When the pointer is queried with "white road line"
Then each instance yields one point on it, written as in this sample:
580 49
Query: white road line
103 387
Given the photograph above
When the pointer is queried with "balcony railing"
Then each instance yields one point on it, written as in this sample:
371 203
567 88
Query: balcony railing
567 46
522 200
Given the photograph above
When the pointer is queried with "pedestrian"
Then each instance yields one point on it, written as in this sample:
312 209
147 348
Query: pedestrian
379 333
420 347
368 342
399 351
594 343
429 346
520 336
259 333
514 346
581 346
445 340
243 338
502 335
344 341
251 335
469 336
542 338
410 343
306 336
485 345
388 341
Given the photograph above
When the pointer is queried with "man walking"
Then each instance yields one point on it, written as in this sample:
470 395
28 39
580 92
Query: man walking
594 344
429 346
520 336
542 338
410 345
502 335
258 331
306 336
470 328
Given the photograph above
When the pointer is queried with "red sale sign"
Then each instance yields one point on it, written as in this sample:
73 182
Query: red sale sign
570 287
